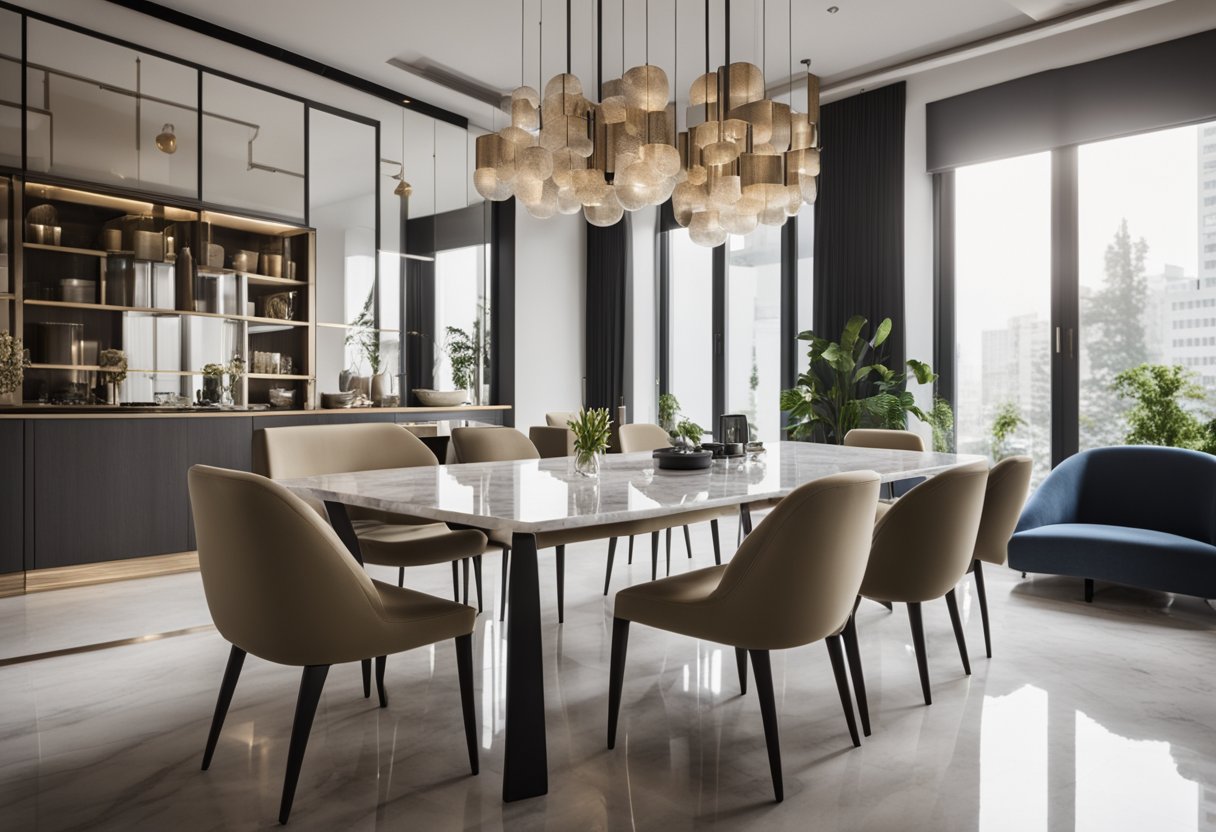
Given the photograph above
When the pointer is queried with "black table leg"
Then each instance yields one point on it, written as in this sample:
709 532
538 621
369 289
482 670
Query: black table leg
340 520
526 765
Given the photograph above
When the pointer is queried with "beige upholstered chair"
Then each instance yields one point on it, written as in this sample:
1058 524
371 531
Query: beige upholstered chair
922 547
895 440
384 539
793 581
552 442
1008 485
560 418
642 436
282 586
502 444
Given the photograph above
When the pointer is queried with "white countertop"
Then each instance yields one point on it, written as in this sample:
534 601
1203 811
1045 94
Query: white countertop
532 496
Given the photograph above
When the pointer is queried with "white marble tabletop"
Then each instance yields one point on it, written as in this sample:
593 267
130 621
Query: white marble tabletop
532 496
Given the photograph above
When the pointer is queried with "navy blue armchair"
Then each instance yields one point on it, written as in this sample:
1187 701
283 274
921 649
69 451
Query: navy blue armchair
1137 515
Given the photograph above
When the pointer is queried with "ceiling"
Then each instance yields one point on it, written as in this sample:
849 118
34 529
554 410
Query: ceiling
479 41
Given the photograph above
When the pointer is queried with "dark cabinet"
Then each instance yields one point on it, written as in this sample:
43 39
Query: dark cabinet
12 496
108 489
225 442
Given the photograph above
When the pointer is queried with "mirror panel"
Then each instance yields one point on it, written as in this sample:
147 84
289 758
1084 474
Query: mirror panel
10 88
253 153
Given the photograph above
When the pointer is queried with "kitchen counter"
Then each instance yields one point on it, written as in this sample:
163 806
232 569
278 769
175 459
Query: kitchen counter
84 411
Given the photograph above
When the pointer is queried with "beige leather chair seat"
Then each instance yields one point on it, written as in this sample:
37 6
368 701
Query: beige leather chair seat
793 581
281 585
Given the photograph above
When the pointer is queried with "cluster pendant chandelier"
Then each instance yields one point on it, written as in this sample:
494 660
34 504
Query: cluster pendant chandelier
743 160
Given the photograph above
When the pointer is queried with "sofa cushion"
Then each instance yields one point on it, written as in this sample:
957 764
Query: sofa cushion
1139 557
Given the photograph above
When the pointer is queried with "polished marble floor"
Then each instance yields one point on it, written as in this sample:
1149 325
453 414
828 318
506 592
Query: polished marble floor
1090 717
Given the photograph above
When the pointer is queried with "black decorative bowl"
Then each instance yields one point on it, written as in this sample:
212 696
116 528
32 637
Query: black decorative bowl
673 460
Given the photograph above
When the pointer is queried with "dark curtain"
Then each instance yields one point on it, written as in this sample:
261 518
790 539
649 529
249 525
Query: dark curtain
859 216
607 276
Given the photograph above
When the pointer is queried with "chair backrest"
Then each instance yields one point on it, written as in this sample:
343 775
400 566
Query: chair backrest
551 441
893 440
278 581
796 576
1146 487
560 418
1004 496
924 543
643 437
492 445
309 450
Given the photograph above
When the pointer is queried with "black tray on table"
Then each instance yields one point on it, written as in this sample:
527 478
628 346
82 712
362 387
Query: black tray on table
672 460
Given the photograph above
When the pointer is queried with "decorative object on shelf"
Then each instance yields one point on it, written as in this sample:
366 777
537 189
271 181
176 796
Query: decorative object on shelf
439 398
245 261
464 351
42 225
236 371
113 365
272 264
363 335
183 280
166 140
848 385
13 361
281 306
213 383
744 159
282 397
592 430
333 401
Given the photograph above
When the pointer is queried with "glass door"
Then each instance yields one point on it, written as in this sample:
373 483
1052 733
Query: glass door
1003 292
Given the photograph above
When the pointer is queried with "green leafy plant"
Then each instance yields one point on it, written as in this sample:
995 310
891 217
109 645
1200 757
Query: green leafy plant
669 406
363 335
1006 422
12 363
941 423
690 432
848 385
591 429
1157 415
214 370
463 352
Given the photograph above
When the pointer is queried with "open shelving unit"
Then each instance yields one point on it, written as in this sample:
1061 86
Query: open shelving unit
113 273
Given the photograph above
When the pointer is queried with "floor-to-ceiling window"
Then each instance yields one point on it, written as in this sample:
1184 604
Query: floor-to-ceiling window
753 329
690 346
1003 308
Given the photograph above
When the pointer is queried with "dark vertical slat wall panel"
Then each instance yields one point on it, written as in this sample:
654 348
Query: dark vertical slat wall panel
12 496
225 442
109 489
608 259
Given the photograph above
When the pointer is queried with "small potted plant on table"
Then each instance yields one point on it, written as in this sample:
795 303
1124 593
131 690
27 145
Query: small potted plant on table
591 433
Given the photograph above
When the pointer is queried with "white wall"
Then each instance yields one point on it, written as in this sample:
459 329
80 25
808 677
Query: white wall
1155 25
550 298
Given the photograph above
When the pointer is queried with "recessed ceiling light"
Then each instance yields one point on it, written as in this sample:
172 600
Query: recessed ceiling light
405 101
833 9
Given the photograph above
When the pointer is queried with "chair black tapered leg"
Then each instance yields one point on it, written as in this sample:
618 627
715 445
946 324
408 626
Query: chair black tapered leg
464 668
464 567
631 550
1089 590
477 579
768 713
561 584
957 622
918 644
381 662
400 576
745 518
668 551
456 582
836 654
981 592
654 556
853 651
311 683
502 608
616 674
741 663
713 530
890 607
232 672
688 542
366 666
608 570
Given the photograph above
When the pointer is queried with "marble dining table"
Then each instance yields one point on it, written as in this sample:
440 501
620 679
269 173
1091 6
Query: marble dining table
531 497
